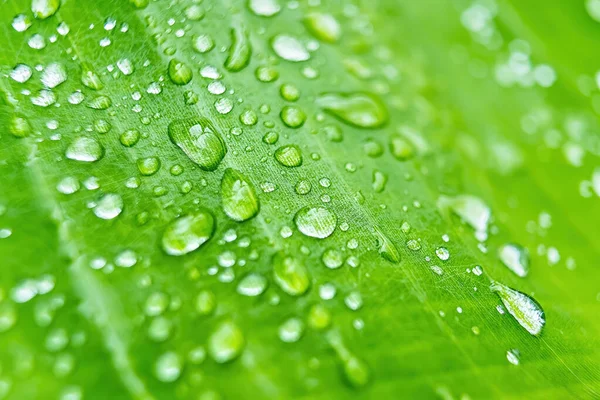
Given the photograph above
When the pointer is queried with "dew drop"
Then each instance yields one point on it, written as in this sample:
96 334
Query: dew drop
252 285
199 141
362 110
85 149
226 342
239 51
179 73
238 196
387 249
290 274
188 233
289 156
524 309
515 257
323 26
289 48
264 8
317 222
43 9
109 206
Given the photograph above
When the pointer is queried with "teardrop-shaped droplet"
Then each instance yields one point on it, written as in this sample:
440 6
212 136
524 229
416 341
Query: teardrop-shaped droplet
528 312
362 110
515 257
90 78
179 73
317 222
289 48
43 9
226 342
387 249
239 51
238 196
199 141
290 274
323 26
188 233
85 149
289 156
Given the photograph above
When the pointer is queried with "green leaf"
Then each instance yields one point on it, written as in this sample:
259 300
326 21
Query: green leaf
268 199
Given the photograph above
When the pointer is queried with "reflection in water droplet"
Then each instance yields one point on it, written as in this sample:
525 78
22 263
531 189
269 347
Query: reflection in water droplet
85 149
109 206
238 196
199 141
526 310
187 233
317 222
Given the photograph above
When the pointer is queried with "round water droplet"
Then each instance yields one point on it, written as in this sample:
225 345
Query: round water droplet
148 166
168 367
206 302
293 117
203 43
289 156
130 137
317 222
252 285
188 233
109 206
264 8
238 196
179 73
43 9
291 330
226 342
53 75
333 258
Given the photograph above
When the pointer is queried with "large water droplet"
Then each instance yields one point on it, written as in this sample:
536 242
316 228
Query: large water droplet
199 141
362 110
53 75
179 72
226 342
515 257
168 367
238 196
187 233
290 274
109 206
85 149
43 9
289 48
317 222
239 51
289 156
526 310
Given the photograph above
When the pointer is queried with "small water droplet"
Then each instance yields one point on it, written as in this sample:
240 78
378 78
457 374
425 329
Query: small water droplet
109 206
289 48
188 233
179 73
226 342
289 156
290 274
239 51
317 222
323 26
238 196
85 149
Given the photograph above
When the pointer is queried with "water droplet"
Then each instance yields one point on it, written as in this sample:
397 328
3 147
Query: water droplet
303 187
21 73
188 233
289 156
289 48
125 66
252 285
203 43
90 78
238 196
21 23
401 148
109 206
293 117
199 141
323 26
179 73
515 257
317 222
85 149
289 92
469 208
512 356
524 309
239 51
353 301
362 110
206 303
355 371
19 127
266 74
264 8
130 137
332 258
53 75
387 249
148 166
442 253
168 367
291 330
290 274
100 103
319 317
226 342
43 9
379 181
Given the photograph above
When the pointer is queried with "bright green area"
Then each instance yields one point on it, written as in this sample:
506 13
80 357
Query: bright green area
295 154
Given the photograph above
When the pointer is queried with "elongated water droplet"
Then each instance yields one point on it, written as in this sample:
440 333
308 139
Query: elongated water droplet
356 372
238 196
289 48
226 342
90 78
317 222
528 312
289 156
252 285
401 148
85 149
168 367
43 9
387 249
239 51
199 141
362 110
188 233
515 257
290 274
179 73
19 127
100 103
293 117
264 8
323 26
379 181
